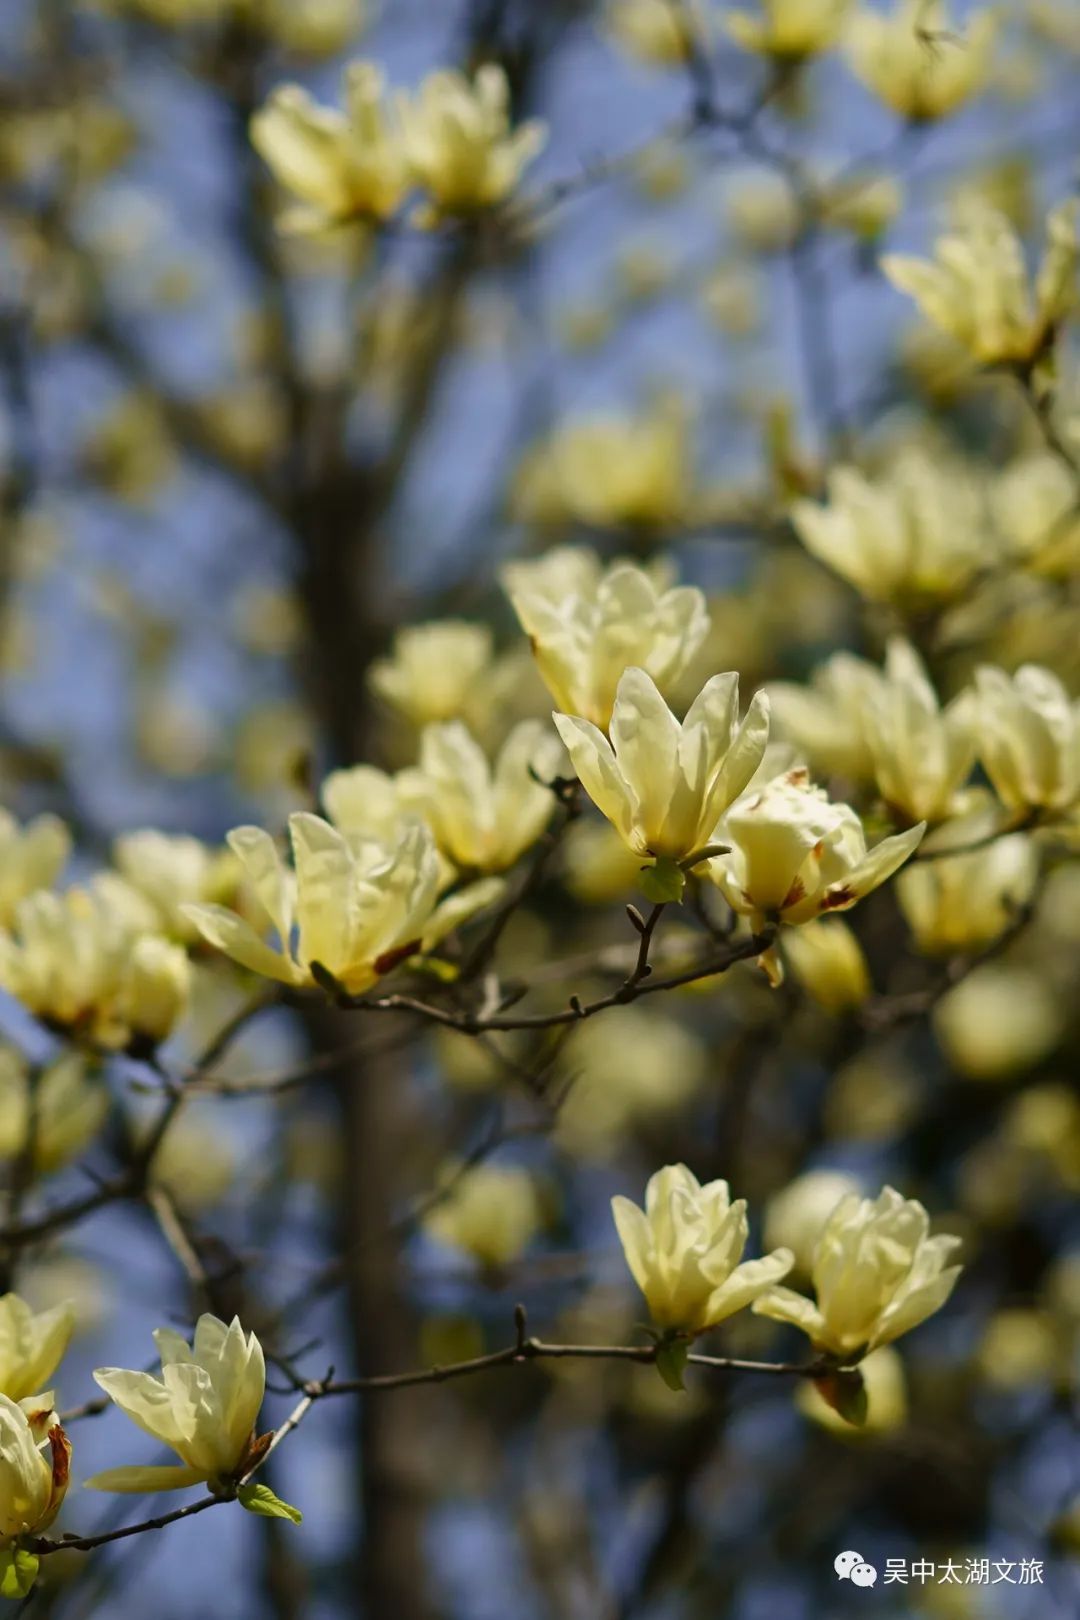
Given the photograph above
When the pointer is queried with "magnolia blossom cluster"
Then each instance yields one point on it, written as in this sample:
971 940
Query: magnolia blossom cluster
452 142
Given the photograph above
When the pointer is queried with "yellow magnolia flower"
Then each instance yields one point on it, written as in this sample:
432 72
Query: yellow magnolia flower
662 785
877 1273
61 1111
585 630
1001 1021
828 962
655 31
1029 738
965 902
31 858
796 1216
794 855
789 30
315 28
915 532
435 670
80 961
922 753
865 204
483 816
610 472
1034 503
171 870
31 1487
684 1251
205 1406
459 144
31 1346
358 912
917 62
976 288
342 166
827 719
491 1213
634 1066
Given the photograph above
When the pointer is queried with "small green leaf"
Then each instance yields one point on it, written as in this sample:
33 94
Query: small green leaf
261 1499
18 1571
845 1392
663 881
671 1357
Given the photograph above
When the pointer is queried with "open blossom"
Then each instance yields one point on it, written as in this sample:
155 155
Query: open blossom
662 785
826 719
483 816
922 753
31 858
204 1405
794 855
586 634
652 30
459 142
789 30
444 670
57 1114
877 1273
1029 738
170 870
684 1251
31 1344
357 911
342 166
917 61
828 961
965 902
610 471
914 532
976 287
491 1212
80 961
32 1486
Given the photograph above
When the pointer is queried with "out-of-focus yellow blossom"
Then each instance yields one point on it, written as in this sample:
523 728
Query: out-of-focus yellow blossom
662 785
175 736
358 912
364 803
730 299
484 816
1004 185
828 961
586 625
459 143
246 421
173 13
1029 738
999 1021
31 1487
662 172
129 450
1056 21
204 1406
1019 1347
585 326
610 472
635 1066
491 1212
865 205
598 866
269 620
342 166
877 1273
59 1112
434 670
762 211
1044 1122
965 902
873 1097
795 1217
31 1345
789 30
794 855
315 28
194 1163
922 753
169 871
917 62
916 532
642 270
827 719
1034 503
655 31
31 857
976 288
886 1398
75 961
684 1251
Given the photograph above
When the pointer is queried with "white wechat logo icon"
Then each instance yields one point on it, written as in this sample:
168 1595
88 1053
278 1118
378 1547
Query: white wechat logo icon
851 1566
